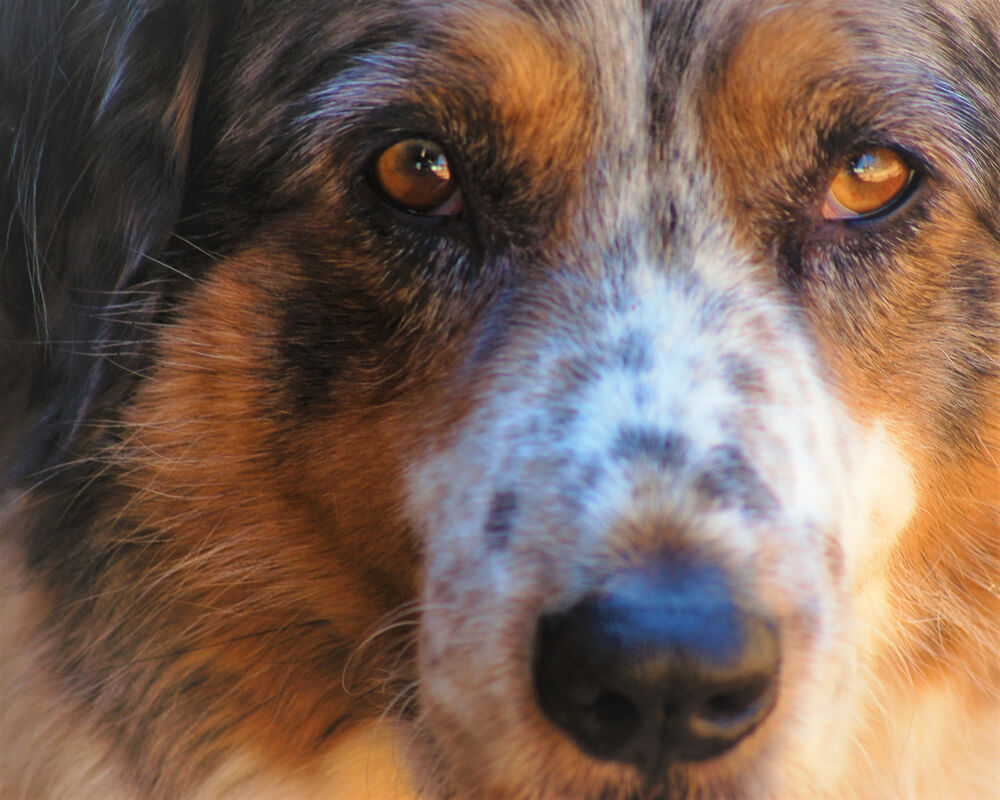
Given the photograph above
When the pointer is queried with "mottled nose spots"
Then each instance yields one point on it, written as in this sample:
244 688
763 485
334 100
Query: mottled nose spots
729 480
631 353
500 520
635 352
744 378
723 477
666 450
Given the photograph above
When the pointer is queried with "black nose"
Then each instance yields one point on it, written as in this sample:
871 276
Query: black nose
663 666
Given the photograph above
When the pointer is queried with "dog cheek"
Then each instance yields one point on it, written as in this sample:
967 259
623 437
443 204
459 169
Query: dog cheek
337 342
884 486
284 502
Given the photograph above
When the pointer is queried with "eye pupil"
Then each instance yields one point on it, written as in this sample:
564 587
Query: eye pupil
416 174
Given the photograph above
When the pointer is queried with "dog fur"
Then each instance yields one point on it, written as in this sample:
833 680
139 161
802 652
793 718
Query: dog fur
289 474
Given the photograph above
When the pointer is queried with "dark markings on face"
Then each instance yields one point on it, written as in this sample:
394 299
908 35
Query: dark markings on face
743 377
974 342
562 416
337 334
667 450
303 65
971 45
729 480
500 519
633 352
575 374
975 289
671 42
834 552
592 475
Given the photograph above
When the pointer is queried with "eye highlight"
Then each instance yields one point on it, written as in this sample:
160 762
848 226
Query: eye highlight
415 174
872 183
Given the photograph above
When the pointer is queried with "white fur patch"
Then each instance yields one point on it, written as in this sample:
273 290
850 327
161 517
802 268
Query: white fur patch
885 490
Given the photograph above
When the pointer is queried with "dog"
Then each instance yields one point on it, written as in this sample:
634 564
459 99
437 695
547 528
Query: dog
500 399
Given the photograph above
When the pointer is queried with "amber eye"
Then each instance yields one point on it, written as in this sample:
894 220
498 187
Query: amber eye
870 183
415 173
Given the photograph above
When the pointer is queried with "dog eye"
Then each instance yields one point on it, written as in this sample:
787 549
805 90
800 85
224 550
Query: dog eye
870 184
415 174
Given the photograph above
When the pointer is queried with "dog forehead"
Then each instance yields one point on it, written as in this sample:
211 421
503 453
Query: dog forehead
604 106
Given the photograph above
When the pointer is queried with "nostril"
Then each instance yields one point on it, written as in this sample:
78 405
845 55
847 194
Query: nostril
664 666
605 723
725 717
574 694
734 704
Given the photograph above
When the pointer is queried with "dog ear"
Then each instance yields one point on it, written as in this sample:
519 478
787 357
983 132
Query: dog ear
100 130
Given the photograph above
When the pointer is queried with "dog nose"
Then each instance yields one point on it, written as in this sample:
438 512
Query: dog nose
663 666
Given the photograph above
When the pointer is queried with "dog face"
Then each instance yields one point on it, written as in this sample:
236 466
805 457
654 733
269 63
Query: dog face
603 397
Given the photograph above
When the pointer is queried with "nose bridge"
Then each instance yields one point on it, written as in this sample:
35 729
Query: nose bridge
690 377
653 210
683 399
689 363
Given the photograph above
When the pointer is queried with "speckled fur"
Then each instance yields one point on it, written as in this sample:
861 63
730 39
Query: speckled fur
287 475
